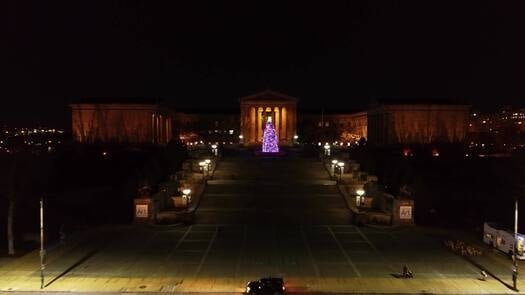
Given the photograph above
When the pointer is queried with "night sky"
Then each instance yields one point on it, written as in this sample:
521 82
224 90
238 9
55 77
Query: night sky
206 54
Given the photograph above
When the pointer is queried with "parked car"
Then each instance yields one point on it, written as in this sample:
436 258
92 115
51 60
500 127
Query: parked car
265 286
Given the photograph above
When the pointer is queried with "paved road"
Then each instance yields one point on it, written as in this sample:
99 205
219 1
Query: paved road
222 258
255 190
261 217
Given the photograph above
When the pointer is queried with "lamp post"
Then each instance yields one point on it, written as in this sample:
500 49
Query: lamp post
327 150
208 164
241 139
202 165
341 166
42 251
295 137
186 195
514 258
214 149
334 163
360 193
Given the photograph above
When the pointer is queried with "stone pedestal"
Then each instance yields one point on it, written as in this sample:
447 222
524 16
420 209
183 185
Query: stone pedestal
179 202
144 210
403 212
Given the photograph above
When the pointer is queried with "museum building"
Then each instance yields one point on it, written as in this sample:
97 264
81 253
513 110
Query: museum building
388 122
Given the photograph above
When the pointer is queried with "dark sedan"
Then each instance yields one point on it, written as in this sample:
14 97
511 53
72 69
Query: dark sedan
273 286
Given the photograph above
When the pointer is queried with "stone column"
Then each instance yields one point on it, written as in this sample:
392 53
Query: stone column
253 121
159 129
164 129
247 130
259 124
170 132
277 127
284 123
294 123
155 129
152 127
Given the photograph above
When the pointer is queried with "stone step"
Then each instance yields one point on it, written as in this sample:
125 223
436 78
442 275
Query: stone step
255 195
262 182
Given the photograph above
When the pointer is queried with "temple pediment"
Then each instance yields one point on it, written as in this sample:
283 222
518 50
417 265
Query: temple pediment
268 96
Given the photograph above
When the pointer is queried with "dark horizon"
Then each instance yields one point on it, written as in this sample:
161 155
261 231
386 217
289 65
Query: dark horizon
207 55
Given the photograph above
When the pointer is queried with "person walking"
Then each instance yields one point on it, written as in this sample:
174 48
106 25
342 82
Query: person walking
483 275
407 273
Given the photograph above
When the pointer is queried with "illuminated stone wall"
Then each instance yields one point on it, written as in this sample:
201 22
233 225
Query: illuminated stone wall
121 123
417 124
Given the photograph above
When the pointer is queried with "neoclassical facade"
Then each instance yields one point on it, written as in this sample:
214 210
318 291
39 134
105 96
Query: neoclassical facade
387 123
256 109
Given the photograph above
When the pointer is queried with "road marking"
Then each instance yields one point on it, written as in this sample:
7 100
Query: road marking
472 268
366 239
242 252
436 272
310 255
342 249
379 253
210 244
180 241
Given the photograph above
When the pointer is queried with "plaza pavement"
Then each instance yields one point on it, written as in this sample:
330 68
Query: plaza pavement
244 231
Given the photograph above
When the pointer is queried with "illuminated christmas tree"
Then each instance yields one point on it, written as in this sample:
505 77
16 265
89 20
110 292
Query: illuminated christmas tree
270 138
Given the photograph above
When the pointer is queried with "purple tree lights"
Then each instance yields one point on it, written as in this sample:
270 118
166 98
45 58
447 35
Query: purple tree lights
270 138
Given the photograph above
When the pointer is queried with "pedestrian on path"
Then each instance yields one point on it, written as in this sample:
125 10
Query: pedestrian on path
483 275
407 273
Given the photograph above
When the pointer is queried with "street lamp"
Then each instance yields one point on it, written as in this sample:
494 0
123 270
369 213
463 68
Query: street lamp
334 162
514 258
42 251
202 165
214 149
341 166
207 162
327 150
360 193
295 137
186 191
241 138
186 195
